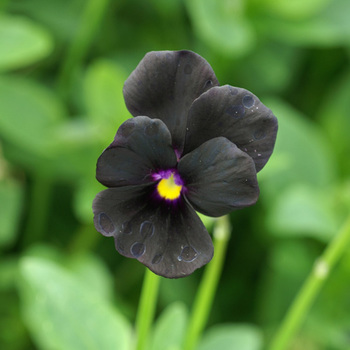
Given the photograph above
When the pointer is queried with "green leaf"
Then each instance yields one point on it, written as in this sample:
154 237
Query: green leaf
170 328
84 195
61 312
302 154
79 147
91 271
303 211
11 196
222 25
288 264
270 67
22 42
334 115
296 9
328 28
29 114
85 267
103 95
232 337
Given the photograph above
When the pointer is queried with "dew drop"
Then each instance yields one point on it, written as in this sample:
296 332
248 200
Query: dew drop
187 254
259 134
147 229
157 259
233 91
137 249
106 225
208 84
236 111
248 101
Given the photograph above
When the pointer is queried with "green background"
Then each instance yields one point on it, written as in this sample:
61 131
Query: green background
62 67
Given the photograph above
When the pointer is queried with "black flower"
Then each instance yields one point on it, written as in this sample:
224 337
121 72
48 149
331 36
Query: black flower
192 145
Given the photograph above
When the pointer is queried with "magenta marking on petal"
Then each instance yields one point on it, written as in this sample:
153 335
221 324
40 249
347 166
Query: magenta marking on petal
177 179
165 174
178 154
156 177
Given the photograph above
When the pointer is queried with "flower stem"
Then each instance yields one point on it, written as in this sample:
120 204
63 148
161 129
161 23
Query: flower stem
147 307
311 288
40 196
89 24
208 286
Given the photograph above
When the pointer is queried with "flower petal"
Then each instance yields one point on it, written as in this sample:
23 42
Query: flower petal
164 85
236 114
141 145
219 177
171 241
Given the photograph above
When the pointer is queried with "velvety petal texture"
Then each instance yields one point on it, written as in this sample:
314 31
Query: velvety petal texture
171 241
164 85
191 145
141 146
236 114
219 177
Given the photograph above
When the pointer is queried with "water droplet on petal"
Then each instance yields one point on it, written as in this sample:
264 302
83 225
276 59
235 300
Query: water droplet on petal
106 224
248 101
187 254
147 229
259 134
157 259
233 91
236 111
137 249
207 85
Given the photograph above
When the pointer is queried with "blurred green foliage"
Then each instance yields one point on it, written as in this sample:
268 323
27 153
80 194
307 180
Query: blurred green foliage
62 68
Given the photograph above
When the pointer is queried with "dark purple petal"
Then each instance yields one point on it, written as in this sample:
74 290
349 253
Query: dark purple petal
219 177
164 85
236 114
141 146
170 240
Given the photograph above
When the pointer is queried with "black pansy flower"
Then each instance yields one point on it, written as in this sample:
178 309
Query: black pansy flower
192 146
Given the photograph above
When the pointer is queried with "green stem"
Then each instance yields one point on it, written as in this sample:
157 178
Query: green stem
89 23
40 196
208 286
311 288
147 307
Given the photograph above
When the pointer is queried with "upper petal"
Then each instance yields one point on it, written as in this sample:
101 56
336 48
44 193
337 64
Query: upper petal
140 147
170 241
236 114
219 177
164 85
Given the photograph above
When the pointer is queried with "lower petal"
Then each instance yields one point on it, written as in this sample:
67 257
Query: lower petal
169 239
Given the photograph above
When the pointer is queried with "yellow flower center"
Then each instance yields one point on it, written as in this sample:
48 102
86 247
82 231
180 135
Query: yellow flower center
168 189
